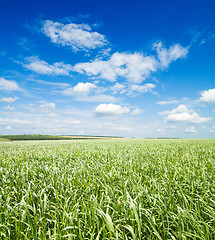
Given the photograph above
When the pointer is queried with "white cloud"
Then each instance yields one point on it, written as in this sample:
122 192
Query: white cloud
208 96
8 85
111 109
183 114
88 92
133 67
8 99
70 121
212 129
8 108
96 98
137 111
77 36
8 127
83 88
39 66
191 130
53 84
80 89
160 130
142 88
167 102
16 121
166 56
118 88
47 107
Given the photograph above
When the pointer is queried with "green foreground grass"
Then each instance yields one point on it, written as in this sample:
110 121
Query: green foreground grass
109 189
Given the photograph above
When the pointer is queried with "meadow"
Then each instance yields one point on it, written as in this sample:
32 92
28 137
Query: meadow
107 189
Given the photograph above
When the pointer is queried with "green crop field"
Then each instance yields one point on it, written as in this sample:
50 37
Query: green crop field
107 189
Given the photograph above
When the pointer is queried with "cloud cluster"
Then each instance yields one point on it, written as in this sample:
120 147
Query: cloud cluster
77 36
183 114
133 67
8 85
110 110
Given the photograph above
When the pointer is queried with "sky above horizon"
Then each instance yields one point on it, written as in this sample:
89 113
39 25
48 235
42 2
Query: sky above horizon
108 68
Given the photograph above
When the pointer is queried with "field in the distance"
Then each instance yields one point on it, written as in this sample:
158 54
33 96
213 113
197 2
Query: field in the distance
107 189
25 137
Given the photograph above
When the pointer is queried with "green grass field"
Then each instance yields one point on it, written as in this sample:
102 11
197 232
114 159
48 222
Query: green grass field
107 189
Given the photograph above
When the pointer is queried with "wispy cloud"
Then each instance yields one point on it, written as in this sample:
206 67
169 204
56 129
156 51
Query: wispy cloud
136 111
47 107
52 84
8 85
8 99
39 66
77 36
142 88
10 108
168 102
166 56
191 130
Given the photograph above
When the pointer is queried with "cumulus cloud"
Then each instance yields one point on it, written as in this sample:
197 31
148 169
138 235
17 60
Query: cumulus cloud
166 56
133 67
8 99
183 114
191 130
39 66
167 102
83 88
208 96
77 36
80 89
8 85
47 107
110 110
88 92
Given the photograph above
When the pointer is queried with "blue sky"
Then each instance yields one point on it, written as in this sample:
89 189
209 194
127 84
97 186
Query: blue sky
119 68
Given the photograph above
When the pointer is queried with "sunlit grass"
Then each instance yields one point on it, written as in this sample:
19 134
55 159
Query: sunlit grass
109 189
